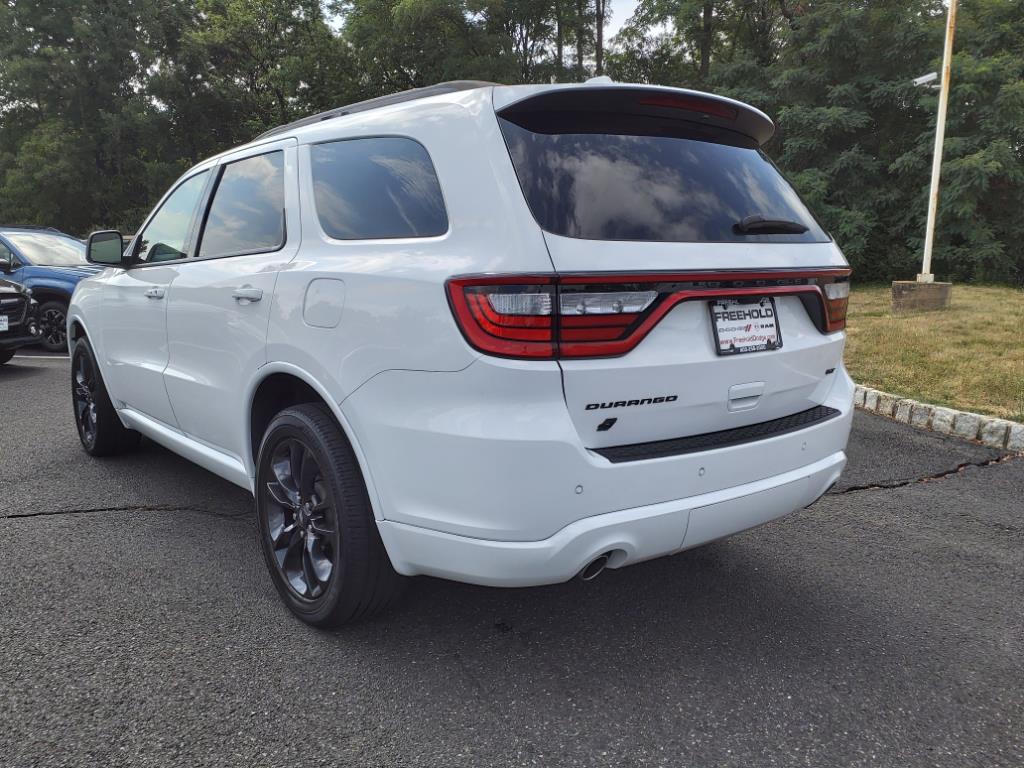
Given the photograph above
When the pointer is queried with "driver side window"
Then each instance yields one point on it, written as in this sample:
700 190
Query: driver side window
164 237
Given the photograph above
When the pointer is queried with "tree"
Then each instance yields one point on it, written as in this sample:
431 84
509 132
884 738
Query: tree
104 102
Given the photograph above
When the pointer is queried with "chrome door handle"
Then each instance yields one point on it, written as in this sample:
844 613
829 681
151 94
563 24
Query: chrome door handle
246 294
155 292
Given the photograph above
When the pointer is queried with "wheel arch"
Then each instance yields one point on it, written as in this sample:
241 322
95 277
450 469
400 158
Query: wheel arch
279 386
76 329
45 293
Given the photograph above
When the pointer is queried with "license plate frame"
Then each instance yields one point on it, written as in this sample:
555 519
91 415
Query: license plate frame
4 324
763 336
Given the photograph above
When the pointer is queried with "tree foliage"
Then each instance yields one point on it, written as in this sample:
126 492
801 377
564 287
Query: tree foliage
104 102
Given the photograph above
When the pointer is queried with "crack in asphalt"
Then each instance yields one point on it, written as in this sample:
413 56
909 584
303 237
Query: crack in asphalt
130 508
959 468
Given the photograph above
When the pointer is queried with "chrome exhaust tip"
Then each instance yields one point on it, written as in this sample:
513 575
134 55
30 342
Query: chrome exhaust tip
594 568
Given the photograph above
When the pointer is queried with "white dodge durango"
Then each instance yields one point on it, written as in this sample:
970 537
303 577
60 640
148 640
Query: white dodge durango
498 334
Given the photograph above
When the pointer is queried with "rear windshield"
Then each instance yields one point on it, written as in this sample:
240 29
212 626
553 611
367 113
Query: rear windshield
647 179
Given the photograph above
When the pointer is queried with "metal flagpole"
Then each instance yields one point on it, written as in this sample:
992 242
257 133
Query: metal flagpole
926 275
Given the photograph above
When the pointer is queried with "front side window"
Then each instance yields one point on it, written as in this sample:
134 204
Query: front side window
247 212
374 188
164 237
45 250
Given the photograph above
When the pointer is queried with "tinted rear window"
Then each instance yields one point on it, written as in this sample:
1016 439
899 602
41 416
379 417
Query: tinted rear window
377 188
652 180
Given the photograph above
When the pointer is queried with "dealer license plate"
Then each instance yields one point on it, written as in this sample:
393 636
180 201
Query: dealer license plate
3 323
745 326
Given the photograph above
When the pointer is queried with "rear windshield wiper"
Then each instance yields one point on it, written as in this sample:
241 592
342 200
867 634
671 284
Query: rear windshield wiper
759 225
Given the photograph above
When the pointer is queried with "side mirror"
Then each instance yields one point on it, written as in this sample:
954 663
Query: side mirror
105 248
6 262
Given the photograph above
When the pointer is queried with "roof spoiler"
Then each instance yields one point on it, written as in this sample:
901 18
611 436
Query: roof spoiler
676 103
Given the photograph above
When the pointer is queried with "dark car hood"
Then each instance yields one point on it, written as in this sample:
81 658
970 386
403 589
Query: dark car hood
7 288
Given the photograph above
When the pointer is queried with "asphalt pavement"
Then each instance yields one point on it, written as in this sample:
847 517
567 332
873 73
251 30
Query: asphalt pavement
880 627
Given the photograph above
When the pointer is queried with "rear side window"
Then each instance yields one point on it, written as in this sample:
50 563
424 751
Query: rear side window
377 188
247 212
624 178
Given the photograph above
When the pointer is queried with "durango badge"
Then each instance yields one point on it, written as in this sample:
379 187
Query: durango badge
628 403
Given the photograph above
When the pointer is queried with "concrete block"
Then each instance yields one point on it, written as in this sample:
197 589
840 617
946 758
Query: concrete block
903 410
942 420
967 425
993 432
886 404
871 399
1015 441
920 414
912 296
858 397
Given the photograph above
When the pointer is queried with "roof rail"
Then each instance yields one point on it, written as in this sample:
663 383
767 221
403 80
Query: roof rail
452 86
31 226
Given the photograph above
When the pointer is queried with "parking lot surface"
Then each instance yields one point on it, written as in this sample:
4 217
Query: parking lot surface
881 627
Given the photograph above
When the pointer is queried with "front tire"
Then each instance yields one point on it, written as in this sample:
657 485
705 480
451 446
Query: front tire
53 318
5 356
99 428
319 538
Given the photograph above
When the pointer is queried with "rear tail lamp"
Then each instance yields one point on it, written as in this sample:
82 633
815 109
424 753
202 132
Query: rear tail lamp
606 316
837 299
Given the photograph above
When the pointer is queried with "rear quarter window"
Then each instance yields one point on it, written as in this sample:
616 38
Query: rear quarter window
375 188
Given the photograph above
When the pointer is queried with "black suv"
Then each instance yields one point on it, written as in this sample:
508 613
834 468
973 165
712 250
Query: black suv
17 319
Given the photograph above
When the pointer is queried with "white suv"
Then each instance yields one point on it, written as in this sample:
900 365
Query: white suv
503 335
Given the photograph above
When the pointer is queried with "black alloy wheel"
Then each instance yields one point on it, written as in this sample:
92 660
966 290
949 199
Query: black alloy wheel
317 531
53 316
83 385
301 519
99 427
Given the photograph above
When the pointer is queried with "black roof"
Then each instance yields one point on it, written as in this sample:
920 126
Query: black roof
452 86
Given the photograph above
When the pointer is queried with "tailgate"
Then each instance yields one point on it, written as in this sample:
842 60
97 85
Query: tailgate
673 382
695 292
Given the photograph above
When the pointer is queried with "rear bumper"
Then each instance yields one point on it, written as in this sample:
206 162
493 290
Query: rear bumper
479 475
631 535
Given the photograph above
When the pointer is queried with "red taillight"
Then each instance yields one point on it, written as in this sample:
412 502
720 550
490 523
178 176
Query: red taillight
510 331
836 296
549 317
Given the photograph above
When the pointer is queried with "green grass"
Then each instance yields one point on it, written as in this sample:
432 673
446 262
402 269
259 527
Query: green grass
969 357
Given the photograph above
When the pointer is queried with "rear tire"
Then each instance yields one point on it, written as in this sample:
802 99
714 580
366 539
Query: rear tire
99 428
317 530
